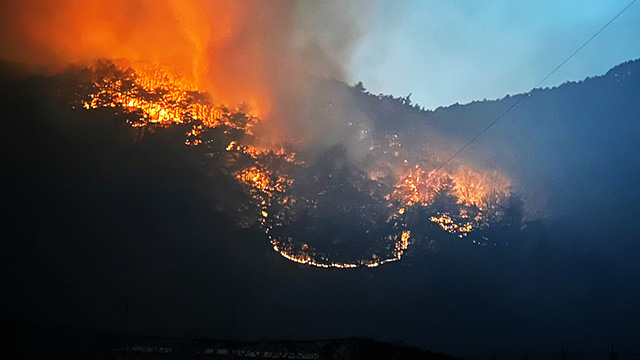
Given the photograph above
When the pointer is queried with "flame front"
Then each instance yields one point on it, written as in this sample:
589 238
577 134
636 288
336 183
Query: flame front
175 63
161 98
204 41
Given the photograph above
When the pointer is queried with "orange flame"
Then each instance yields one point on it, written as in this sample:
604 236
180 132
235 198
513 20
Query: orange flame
480 188
470 186
215 45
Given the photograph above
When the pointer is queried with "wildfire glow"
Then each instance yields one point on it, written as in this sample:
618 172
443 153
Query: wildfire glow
263 181
471 187
480 193
255 152
306 257
480 189
203 40
448 224
419 186
161 98
207 66
154 97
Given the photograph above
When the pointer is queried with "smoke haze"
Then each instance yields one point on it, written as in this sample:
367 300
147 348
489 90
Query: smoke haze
268 56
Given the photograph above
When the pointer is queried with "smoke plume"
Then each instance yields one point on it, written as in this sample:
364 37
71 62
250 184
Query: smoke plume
267 55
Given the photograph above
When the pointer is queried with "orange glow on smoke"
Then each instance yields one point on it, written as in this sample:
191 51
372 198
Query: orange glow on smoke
211 43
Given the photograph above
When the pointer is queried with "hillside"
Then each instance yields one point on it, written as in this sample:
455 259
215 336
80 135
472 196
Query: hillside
96 213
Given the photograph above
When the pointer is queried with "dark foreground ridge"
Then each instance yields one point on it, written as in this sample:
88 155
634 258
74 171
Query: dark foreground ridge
28 341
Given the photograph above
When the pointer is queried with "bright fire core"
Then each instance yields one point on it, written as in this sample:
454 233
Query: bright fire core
284 190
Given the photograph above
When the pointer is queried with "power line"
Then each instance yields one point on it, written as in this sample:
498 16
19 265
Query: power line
534 87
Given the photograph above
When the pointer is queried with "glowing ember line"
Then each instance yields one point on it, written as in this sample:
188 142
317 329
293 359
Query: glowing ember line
306 258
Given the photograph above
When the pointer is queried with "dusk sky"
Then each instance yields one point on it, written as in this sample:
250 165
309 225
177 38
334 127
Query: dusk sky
445 52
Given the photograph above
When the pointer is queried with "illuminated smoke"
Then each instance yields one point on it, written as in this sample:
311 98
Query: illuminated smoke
267 55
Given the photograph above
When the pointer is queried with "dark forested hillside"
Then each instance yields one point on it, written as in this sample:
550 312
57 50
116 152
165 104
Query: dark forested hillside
94 215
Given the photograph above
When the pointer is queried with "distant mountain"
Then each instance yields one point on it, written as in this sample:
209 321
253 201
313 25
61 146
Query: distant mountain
576 143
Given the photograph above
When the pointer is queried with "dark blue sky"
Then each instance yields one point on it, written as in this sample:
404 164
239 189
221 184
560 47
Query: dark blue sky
459 51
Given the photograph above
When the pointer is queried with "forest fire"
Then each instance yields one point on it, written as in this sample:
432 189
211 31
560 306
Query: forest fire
480 188
159 97
155 98
469 186
450 225
180 36
306 257
263 181
269 174
477 192
419 186
255 152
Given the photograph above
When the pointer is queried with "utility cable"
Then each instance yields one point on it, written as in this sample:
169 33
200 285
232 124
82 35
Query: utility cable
484 130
